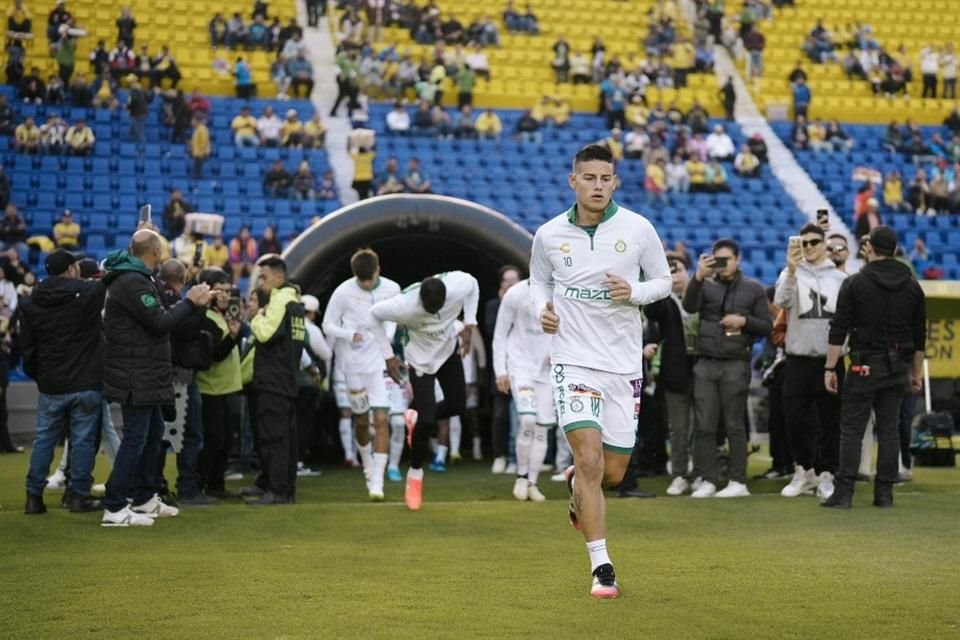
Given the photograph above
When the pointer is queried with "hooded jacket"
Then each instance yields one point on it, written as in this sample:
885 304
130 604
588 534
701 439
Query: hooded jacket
713 299
279 331
810 298
62 335
883 309
136 328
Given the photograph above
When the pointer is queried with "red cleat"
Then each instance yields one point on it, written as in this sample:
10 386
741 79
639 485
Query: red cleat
414 494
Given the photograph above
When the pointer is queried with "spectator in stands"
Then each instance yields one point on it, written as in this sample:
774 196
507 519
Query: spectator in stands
244 127
422 120
314 132
243 253
217 28
799 135
268 128
929 68
122 62
938 193
327 189
817 136
126 26
164 67
893 192
697 170
52 134
390 181
465 80
465 126
802 96
216 253
32 89
754 43
56 91
174 214
561 59
236 32
528 129
26 137
258 35
269 243
837 138
838 250
103 96
301 74
717 177
416 181
280 75
66 58
58 16
746 163
655 183
869 219
200 148
143 66
488 125
79 139
920 256
137 106
477 60
198 104
304 184
16 55
292 131
66 233
512 18
442 122
758 147
99 59
243 79
697 147
7 117
720 145
948 70
19 22
636 143
295 47
678 180
893 138
363 158
398 120
79 92
13 232
276 182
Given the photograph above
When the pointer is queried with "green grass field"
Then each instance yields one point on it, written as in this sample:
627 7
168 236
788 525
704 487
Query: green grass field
474 563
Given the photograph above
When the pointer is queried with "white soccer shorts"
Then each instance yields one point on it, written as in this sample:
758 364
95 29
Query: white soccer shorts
533 398
592 399
367 391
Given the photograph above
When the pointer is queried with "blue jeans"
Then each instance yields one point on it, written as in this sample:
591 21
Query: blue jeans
137 129
188 460
134 472
82 410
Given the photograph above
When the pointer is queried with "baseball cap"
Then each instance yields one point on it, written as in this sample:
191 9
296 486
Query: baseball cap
310 303
59 261
89 269
884 238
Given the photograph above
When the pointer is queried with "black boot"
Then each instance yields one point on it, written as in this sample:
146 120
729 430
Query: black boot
838 501
83 504
883 495
34 506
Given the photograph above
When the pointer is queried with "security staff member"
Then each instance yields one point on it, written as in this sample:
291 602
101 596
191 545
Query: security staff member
882 310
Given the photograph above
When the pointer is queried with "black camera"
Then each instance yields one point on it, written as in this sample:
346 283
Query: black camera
234 309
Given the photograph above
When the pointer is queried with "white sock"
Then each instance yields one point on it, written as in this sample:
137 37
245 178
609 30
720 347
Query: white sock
414 474
538 451
398 432
524 444
434 443
564 456
866 450
456 430
477 448
366 456
442 453
346 437
598 553
376 476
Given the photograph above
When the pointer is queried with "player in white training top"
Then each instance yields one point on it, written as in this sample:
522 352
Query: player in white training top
591 269
521 362
429 311
347 318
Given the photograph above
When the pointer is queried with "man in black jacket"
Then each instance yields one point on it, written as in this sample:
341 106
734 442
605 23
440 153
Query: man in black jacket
733 313
138 375
882 311
279 331
62 342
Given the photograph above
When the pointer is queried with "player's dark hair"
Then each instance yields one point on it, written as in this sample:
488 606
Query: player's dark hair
273 261
433 293
213 276
364 264
502 271
812 228
592 152
837 236
729 243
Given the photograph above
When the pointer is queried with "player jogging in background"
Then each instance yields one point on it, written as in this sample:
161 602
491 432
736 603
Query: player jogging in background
347 318
521 353
429 312
585 282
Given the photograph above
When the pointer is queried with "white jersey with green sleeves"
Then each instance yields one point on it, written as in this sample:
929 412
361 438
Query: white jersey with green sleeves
567 267
431 336
520 347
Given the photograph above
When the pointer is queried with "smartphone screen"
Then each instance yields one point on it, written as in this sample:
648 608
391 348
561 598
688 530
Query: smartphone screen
233 311
823 219
719 263
145 213
198 254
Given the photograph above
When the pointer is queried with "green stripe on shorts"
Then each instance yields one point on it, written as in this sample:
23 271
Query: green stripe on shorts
624 451
582 424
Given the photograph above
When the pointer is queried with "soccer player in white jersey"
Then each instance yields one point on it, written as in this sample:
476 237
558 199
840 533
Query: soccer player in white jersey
429 311
347 318
521 362
590 270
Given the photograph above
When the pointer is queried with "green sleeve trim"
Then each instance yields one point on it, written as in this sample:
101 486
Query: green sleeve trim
526 413
624 451
546 424
582 424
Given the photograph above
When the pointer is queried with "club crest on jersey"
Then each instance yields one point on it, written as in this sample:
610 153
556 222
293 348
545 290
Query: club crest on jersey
565 247
576 405
620 246
584 389
637 385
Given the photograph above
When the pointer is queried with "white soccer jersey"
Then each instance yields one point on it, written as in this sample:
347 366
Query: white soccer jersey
348 313
520 347
568 264
432 336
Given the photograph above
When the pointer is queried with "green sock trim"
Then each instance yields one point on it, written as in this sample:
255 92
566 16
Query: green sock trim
582 424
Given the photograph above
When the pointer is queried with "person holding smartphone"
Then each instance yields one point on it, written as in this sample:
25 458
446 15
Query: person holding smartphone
733 313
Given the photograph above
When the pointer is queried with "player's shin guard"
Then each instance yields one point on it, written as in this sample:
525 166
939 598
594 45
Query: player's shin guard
528 424
398 430
456 431
538 451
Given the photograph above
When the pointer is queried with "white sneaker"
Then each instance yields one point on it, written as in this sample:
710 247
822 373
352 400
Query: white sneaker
734 489
825 486
559 477
696 484
125 518
376 494
499 465
155 508
678 487
534 493
521 489
477 449
511 469
233 475
803 481
706 490
57 481
98 490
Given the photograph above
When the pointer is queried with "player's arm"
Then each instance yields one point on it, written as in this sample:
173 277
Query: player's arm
318 344
506 317
333 318
463 286
398 310
654 267
786 290
541 285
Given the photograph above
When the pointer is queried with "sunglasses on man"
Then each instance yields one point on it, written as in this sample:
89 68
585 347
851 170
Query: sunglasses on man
811 243
837 248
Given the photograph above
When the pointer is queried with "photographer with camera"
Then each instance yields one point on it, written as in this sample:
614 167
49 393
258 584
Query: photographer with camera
807 289
882 311
138 375
733 313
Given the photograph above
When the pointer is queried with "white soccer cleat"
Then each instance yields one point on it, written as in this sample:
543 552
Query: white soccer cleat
559 477
707 490
825 486
521 489
696 484
604 583
511 469
499 465
734 489
678 487
57 481
534 494
125 518
155 508
803 480
376 495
